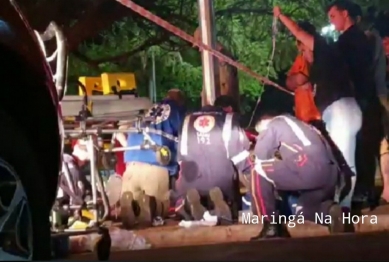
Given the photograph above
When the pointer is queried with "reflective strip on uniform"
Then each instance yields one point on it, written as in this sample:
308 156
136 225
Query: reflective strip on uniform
296 130
259 170
246 202
242 156
227 129
184 137
241 136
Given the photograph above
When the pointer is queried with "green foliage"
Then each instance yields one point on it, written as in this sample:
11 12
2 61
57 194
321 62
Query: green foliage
244 27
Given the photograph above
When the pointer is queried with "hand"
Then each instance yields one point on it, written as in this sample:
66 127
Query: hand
277 11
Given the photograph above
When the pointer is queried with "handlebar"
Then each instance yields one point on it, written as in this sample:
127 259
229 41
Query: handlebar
60 54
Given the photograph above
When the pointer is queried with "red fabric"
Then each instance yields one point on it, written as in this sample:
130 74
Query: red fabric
73 142
251 136
304 105
120 165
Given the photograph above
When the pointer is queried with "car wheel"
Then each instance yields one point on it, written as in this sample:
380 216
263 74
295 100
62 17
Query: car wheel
25 205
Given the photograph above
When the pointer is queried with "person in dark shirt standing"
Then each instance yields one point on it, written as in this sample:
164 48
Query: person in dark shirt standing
334 94
382 26
355 49
376 32
358 53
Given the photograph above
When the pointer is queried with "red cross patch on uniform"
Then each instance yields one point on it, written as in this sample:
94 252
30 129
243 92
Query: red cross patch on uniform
204 124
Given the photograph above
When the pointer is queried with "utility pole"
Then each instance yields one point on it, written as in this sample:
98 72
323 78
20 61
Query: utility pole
210 63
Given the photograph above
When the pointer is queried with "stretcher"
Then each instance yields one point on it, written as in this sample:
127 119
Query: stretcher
81 121
91 125
107 115
90 118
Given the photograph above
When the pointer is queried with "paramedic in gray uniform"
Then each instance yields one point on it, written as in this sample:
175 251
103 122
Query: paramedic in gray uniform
291 156
209 139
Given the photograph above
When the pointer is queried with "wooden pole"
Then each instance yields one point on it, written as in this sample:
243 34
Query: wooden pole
210 63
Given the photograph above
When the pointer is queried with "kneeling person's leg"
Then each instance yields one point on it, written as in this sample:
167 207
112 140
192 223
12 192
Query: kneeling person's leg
131 179
130 189
263 196
288 176
155 183
264 204
114 189
384 164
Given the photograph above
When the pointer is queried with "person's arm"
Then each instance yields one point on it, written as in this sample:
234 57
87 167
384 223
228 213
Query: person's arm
264 149
239 141
239 145
296 80
176 118
380 70
266 144
292 26
183 139
177 123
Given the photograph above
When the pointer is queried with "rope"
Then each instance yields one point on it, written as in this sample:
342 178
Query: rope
269 65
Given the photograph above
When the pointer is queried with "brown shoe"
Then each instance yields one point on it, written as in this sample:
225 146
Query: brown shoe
221 209
197 210
127 210
336 225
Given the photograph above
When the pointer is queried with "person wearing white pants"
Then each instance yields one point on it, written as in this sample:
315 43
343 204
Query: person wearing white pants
334 92
343 120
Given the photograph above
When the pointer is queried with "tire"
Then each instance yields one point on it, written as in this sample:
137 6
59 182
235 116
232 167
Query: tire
18 158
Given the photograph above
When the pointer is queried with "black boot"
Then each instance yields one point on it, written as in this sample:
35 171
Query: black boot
271 231
336 214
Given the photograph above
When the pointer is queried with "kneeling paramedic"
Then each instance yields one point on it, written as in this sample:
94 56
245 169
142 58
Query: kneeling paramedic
209 139
145 189
291 157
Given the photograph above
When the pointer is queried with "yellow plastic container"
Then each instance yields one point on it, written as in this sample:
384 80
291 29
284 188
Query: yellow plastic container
92 84
121 81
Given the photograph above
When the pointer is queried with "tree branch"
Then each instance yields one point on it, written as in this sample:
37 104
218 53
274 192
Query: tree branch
118 58
94 21
236 10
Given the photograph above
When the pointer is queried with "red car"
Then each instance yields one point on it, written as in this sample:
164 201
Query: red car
30 140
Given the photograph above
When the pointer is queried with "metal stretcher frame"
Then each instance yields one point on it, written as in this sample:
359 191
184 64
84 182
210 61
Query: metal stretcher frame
108 111
89 134
60 79
88 129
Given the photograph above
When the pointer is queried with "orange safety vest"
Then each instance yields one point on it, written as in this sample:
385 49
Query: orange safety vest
304 103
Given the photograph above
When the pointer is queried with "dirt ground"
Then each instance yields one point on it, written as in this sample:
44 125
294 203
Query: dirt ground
348 247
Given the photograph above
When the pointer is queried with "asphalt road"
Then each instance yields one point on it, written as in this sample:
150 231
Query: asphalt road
347 247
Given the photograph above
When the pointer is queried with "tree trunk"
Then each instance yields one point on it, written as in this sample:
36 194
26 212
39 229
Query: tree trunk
226 80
